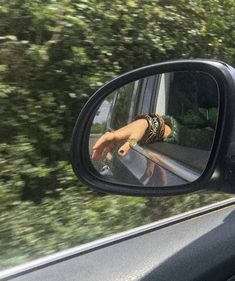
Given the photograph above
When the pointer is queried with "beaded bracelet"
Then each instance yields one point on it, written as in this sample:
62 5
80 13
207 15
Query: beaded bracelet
175 128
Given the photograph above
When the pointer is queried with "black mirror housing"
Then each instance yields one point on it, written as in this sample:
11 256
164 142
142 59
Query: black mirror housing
218 172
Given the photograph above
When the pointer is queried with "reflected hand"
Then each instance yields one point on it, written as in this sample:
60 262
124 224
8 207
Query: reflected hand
134 130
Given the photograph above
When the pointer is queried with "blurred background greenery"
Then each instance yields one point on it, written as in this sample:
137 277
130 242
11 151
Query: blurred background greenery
53 55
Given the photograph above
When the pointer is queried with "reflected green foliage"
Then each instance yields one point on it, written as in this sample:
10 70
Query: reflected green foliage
191 118
98 128
53 55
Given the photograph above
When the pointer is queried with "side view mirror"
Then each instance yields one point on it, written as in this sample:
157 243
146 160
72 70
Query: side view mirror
163 129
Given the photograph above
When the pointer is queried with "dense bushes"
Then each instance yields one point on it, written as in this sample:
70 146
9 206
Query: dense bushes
53 55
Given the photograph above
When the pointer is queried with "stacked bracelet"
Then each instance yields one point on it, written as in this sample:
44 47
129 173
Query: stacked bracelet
156 126
159 123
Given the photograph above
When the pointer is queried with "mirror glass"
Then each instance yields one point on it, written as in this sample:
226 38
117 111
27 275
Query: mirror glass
156 131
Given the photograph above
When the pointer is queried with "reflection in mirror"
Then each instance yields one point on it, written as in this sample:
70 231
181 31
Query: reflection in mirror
156 131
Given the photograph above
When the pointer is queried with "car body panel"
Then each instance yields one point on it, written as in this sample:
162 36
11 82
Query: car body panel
190 246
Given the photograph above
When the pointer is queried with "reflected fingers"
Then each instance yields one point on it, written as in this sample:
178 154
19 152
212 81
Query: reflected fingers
103 145
107 137
124 149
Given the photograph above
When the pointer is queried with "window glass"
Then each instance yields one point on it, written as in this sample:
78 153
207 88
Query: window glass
54 54
190 100
123 104
146 94
193 99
